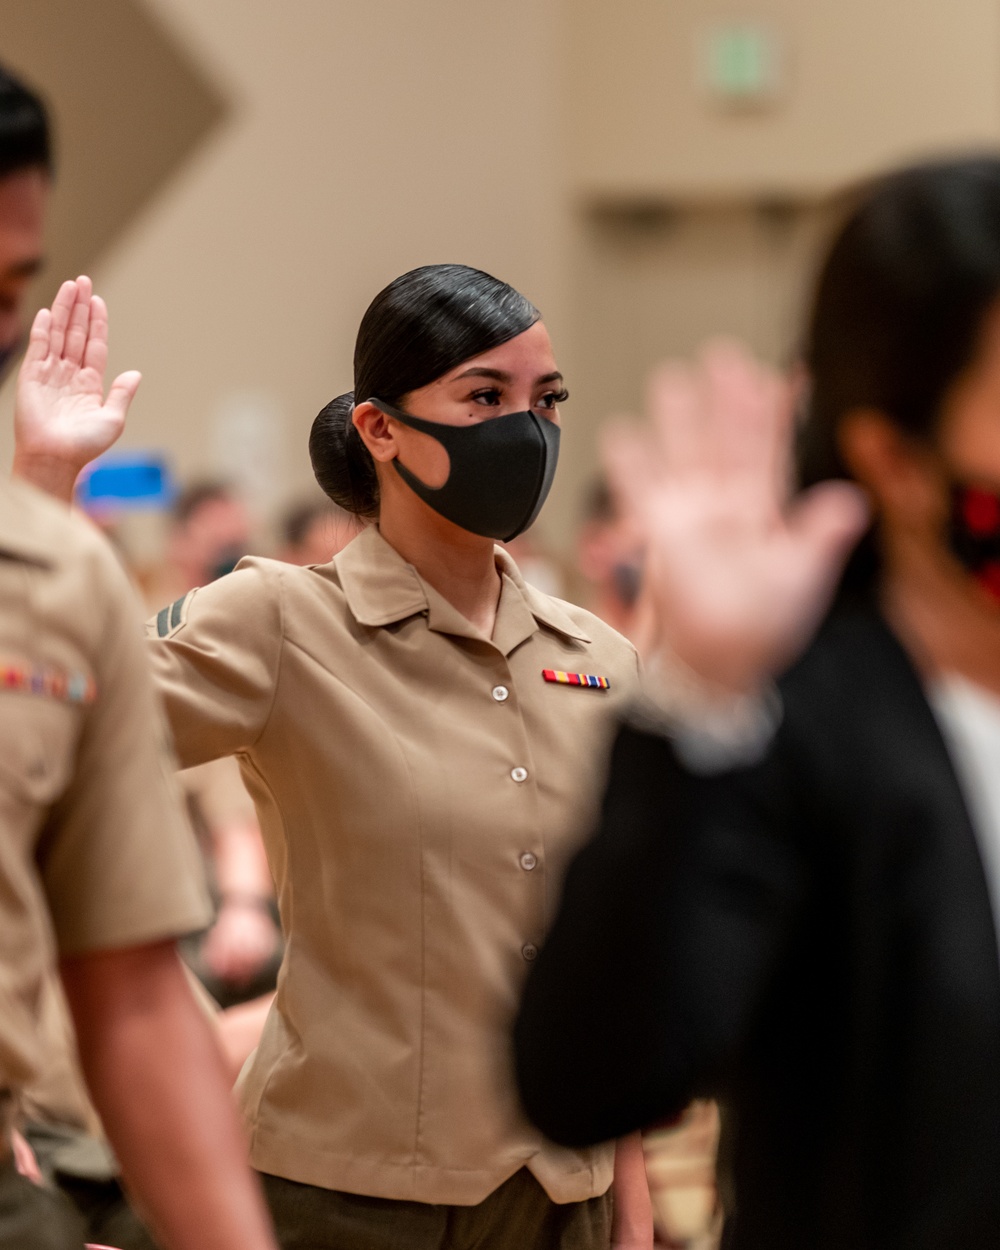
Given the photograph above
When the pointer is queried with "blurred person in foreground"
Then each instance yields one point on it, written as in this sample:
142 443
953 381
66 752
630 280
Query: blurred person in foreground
792 901
680 1157
97 866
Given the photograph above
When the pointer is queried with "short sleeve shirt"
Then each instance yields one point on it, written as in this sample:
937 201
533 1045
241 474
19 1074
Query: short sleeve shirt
420 789
95 852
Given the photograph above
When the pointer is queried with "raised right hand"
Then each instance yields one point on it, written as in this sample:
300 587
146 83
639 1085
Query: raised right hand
62 420
737 576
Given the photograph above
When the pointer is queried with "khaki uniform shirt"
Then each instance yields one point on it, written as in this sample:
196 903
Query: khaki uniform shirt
94 851
420 789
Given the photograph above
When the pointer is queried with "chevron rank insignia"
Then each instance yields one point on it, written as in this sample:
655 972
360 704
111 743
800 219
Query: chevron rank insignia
576 679
169 619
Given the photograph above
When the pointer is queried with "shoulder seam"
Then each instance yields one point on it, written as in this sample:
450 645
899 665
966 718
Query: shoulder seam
281 652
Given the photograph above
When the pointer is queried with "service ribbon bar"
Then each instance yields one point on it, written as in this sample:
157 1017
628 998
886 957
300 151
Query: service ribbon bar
53 683
576 679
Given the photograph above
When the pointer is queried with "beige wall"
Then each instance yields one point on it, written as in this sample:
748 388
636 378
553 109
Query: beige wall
864 82
362 139
562 144
695 220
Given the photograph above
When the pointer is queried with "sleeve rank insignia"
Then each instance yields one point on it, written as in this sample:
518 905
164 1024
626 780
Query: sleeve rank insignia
172 617
576 679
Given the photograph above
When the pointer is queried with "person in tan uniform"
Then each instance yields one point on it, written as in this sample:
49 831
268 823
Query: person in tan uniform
97 866
98 869
421 733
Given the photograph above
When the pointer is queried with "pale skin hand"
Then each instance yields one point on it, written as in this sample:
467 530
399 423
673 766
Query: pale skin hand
737 577
62 419
24 1159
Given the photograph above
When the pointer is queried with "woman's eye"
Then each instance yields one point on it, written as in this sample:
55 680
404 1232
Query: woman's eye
489 397
552 398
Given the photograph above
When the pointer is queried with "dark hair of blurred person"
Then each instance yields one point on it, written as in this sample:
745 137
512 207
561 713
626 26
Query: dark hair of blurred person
906 305
25 175
25 134
313 531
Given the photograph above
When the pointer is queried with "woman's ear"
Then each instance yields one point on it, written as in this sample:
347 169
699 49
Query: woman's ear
900 473
868 445
376 432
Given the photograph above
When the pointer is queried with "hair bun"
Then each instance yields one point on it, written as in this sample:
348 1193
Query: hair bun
341 462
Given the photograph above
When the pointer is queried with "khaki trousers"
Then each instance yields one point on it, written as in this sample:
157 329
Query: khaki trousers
33 1218
517 1216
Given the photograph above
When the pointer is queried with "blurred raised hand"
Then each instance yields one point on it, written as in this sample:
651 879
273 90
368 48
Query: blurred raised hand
737 574
62 419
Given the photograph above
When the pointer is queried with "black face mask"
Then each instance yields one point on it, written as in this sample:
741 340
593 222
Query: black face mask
501 470
974 533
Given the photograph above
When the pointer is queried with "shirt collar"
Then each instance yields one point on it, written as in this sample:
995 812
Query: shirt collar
546 610
381 589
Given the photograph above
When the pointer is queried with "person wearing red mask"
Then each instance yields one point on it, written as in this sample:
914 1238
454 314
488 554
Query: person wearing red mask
793 897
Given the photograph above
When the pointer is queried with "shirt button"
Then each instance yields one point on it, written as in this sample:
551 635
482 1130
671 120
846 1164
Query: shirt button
519 774
501 694
528 861
529 951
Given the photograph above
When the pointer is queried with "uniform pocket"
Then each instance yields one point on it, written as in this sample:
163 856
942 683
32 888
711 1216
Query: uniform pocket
38 737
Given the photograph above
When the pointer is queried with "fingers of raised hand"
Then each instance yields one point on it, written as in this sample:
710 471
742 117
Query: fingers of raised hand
62 311
122 392
39 338
747 412
674 403
79 323
632 463
95 354
824 524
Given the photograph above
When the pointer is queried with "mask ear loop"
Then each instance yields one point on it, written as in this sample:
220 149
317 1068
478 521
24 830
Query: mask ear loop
413 423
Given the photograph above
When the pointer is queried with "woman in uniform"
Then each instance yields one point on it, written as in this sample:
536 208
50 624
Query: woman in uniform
418 728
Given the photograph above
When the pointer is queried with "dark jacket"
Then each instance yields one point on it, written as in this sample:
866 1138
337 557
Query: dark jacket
810 941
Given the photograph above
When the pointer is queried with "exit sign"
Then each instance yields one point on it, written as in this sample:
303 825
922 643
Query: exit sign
741 64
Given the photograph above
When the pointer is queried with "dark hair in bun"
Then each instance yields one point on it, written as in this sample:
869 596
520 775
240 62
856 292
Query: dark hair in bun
421 326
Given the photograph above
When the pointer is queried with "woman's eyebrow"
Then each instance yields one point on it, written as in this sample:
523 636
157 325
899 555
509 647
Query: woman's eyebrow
499 375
